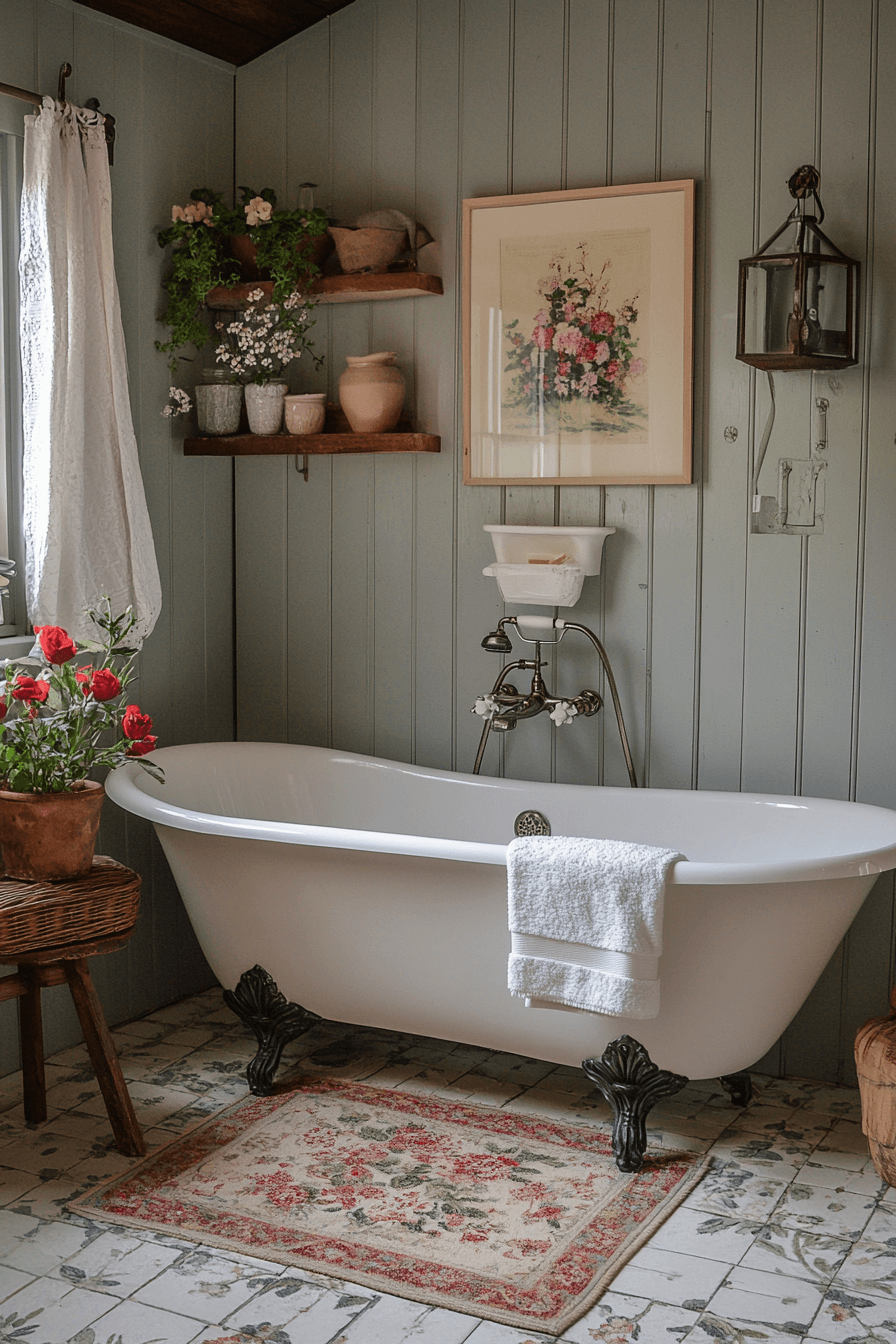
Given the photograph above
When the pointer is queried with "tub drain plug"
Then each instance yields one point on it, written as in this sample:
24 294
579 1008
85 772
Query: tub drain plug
531 823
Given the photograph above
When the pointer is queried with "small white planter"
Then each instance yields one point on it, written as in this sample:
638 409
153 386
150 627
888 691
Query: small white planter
264 407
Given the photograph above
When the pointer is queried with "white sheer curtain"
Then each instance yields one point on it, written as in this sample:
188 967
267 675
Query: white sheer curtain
87 529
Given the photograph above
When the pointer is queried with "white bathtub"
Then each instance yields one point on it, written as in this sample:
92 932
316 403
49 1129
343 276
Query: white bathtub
375 893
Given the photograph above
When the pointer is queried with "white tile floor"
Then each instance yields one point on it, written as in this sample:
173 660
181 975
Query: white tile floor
790 1236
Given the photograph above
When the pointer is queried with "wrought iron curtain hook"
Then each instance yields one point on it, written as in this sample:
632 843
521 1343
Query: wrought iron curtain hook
65 71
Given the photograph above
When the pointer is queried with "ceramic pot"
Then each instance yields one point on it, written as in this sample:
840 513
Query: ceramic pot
50 837
305 412
371 392
264 407
244 251
218 402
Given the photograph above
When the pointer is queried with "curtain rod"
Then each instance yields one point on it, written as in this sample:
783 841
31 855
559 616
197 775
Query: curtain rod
93 103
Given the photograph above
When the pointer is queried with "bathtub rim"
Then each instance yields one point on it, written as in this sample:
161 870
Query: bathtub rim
123 786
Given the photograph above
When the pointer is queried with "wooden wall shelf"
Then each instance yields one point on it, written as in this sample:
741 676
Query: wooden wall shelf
336 438
336 289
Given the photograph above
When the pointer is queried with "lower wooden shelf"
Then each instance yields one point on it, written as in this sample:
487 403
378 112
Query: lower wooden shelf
336 438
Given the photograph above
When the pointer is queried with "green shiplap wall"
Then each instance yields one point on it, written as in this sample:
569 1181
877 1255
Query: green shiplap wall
756 663
174 119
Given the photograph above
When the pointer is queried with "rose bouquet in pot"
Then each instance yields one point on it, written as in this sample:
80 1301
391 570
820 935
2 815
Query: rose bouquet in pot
60 719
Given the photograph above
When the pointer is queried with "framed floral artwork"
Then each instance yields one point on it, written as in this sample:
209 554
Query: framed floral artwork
578 330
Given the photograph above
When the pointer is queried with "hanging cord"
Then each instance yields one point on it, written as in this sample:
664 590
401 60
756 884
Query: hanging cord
760 456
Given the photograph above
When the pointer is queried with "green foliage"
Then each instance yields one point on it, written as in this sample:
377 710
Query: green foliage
201 259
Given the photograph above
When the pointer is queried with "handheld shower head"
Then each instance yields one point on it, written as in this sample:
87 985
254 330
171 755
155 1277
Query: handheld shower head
497 642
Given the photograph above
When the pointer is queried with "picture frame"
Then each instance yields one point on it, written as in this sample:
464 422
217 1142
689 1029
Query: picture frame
578 336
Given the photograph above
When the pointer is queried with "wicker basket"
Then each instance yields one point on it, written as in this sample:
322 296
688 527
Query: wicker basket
35 915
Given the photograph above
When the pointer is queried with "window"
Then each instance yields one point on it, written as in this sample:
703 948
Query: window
13 619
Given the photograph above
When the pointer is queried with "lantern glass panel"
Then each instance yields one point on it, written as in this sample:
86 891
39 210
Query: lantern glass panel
768 306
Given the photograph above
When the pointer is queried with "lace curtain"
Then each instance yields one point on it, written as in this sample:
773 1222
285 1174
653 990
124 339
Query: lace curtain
87 529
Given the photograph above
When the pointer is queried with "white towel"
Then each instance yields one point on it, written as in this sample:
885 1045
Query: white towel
586 923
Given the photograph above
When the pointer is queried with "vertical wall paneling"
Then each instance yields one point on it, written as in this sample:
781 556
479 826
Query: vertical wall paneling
484 170
392 328
673 592
436 363
726 465
754 662
774 572
634 152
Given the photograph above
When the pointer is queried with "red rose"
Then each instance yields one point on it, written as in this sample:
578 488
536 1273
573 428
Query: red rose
141 748
82 677
136 725
54 641
104 684
26 688
3 708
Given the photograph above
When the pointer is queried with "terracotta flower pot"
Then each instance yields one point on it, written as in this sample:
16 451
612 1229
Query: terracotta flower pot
244 251
50 837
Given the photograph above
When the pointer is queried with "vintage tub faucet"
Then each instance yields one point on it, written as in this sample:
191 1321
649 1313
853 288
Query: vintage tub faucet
504 706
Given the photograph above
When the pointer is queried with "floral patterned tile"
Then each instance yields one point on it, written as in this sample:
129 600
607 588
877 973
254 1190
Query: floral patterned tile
869 1268
706 1234
41 1246
44 1153
621 1319
115 1263
151 1104
802 1255
204 1285
768 1153
11 1282
815 1209
841 1178
48 1311
302 1312
736 1192
14 1185
670 1276
767 1299
135 1323
723 1331
845 1317
487 1333
48 1199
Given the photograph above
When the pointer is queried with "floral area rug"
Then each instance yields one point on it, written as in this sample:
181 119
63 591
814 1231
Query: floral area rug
506 1216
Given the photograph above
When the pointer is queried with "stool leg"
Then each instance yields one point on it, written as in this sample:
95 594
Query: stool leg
101 1048
34 1085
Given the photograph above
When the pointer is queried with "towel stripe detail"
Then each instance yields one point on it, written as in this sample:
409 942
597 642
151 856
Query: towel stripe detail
634 966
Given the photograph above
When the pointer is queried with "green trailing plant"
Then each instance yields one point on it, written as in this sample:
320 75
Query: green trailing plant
199 236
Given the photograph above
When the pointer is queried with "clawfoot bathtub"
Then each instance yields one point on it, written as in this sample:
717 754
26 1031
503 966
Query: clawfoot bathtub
375 893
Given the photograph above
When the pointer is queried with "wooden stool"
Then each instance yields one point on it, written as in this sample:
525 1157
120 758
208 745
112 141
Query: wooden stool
49 929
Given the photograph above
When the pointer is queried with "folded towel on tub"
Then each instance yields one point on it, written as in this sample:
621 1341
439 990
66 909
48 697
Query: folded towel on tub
586 923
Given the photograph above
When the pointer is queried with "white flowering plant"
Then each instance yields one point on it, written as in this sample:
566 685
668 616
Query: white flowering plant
259 343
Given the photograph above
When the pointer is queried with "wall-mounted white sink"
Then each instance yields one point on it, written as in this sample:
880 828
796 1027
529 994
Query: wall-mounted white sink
544 566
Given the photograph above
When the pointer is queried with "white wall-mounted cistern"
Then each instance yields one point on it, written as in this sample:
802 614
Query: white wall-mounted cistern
542 567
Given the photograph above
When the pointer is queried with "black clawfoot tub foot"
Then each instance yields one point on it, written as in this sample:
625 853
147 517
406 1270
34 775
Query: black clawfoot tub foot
739 1087
258 1002
629 1080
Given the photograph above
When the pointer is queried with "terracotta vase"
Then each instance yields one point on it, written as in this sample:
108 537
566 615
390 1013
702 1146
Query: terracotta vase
371 392
264 407
50 837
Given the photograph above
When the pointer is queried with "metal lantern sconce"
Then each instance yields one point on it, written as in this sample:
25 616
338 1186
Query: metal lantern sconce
797 298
